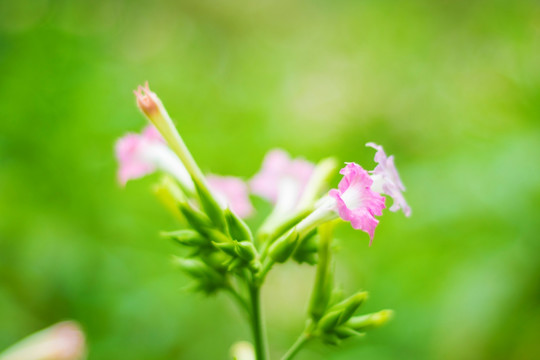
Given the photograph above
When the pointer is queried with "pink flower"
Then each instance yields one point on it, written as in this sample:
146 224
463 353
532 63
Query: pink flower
355 201
63 341
141 154
231 192
281 179
386 180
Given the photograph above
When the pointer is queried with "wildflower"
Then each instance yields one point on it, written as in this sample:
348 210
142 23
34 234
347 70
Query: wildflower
142 154
354 201
63 341
231 192
386 180
282 180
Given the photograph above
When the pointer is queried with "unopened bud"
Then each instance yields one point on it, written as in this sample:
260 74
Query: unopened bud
340 313
148 102
238 229
198 220
364 322
246 250
283 247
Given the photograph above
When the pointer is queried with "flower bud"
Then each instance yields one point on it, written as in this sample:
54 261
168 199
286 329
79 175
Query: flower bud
342 312
365 322
169 194
238 229
246 250
195 218
283 247
210 205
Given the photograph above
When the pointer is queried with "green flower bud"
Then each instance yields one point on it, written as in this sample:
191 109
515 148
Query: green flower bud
365 322
186 237
210 205
238 229
246 250
283 247
198 220
342 312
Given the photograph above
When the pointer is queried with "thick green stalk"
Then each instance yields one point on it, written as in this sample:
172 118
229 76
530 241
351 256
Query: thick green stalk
259 335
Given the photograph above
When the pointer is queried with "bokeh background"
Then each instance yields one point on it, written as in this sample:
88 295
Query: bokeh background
452 88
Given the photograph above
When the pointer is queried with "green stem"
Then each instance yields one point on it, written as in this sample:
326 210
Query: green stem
297 346
259 335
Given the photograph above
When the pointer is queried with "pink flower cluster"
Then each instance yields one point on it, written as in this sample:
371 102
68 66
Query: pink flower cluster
281 180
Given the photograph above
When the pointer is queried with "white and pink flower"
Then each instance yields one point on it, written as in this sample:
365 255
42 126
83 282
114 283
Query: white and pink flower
386 180
231 192
142 154
282 180
355 201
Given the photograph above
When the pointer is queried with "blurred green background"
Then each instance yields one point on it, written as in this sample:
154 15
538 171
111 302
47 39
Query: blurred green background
452 88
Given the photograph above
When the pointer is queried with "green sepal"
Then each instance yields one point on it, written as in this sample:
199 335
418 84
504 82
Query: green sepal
330 339
208 279
228 248
186 237
210 205
344 332
307 249
198 220
238 229
283 247
235 264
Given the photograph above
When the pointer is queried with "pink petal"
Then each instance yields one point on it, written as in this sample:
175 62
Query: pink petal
355 201
233 191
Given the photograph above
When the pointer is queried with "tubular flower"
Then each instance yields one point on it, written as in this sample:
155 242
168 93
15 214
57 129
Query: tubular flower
141 154
355 201
281 179
231 192
386 180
